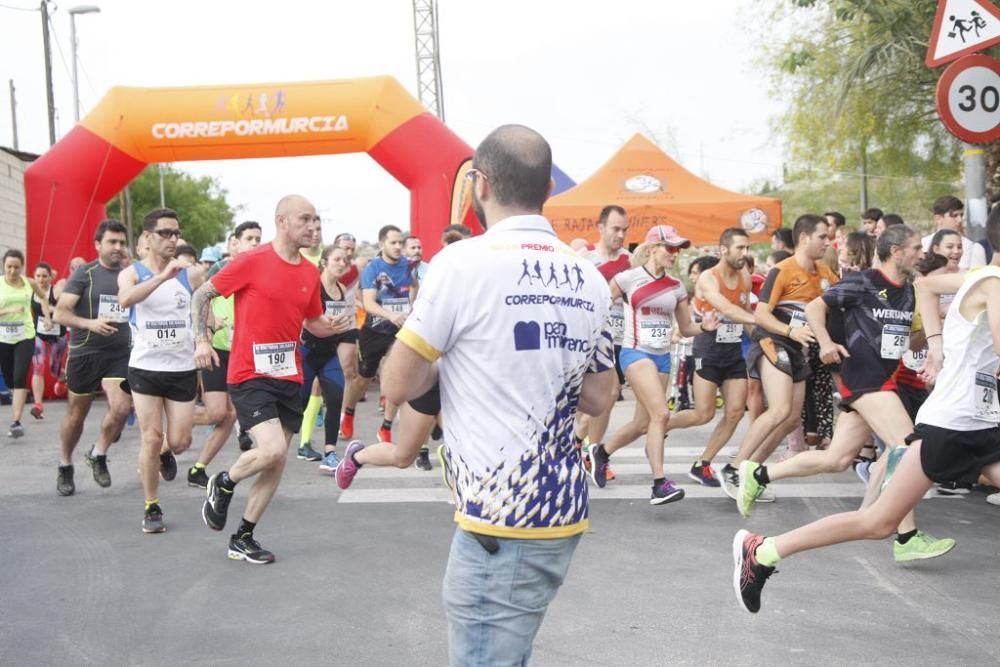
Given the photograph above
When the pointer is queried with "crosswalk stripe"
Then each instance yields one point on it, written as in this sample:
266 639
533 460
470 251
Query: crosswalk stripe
613 491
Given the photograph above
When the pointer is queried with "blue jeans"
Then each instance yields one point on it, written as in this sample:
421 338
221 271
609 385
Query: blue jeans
495 603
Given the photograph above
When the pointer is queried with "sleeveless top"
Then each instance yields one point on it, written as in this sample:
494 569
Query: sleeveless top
162 325
964 397
723 345
50 335
15 327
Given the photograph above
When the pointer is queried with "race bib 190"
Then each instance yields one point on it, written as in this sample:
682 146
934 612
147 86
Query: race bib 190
275 359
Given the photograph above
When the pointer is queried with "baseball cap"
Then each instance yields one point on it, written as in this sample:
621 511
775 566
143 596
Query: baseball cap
668 235
211 254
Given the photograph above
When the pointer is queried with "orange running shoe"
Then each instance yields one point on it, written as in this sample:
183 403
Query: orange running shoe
346 426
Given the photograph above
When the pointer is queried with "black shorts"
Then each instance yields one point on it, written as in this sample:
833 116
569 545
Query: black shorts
785 355
429 403
956 456
372 348
15 360
912 398
712 371
215 379
178 386
84 373
847 396
347 338
260 399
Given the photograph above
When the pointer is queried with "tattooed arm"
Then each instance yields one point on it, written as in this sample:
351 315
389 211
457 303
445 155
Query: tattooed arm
204 355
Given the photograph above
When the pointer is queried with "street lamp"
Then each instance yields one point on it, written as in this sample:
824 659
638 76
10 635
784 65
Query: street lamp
82 9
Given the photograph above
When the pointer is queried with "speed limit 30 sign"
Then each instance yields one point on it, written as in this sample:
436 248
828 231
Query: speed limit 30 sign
968 99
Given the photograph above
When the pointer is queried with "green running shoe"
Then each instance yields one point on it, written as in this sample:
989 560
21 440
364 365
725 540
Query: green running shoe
921 547
750 488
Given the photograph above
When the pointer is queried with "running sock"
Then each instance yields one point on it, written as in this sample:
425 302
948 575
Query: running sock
150 503
387 423
658 481
226 482
349 412
97 450
245 527
198 466
578 441
760 474
355 461
603 451
767 553
309 419
903 538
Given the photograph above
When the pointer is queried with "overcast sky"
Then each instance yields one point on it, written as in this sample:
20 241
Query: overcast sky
587 75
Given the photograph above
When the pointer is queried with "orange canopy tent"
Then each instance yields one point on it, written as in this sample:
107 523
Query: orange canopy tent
655 190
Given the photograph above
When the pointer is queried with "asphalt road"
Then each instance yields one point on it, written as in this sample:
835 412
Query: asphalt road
358 575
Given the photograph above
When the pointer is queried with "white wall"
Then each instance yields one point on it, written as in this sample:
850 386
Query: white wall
12 233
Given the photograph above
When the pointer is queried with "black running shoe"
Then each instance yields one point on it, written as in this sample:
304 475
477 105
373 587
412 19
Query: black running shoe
168 466
216 506
749 576
99 467
424 459
246 442
245 547
197 477
64 482
152 522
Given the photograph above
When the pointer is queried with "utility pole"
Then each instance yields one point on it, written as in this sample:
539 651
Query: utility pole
13 112
48 73
864 176
976 205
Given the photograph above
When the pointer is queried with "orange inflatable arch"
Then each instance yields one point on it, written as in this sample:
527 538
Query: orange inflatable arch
67 188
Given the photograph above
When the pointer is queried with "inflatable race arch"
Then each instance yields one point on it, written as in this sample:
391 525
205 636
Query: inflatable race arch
67 188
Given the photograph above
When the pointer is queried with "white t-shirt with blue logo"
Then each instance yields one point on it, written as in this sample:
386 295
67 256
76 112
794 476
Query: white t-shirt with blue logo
515 320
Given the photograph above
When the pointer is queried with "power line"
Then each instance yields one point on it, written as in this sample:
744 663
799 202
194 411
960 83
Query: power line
20 9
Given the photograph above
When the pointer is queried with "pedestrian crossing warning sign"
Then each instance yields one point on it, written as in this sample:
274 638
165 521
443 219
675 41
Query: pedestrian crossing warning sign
962 27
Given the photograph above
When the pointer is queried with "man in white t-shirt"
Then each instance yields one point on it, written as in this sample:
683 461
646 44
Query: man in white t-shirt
949 213
514 363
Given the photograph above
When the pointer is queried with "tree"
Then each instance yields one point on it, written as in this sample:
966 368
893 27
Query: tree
201 205
861 100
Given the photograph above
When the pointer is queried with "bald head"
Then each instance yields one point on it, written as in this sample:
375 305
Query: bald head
517 163
290 203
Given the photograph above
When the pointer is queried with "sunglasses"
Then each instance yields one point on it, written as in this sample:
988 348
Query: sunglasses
168 233
672 249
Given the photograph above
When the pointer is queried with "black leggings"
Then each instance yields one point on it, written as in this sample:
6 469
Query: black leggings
15 360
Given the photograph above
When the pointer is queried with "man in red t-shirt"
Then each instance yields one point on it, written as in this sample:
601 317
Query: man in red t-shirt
277 294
